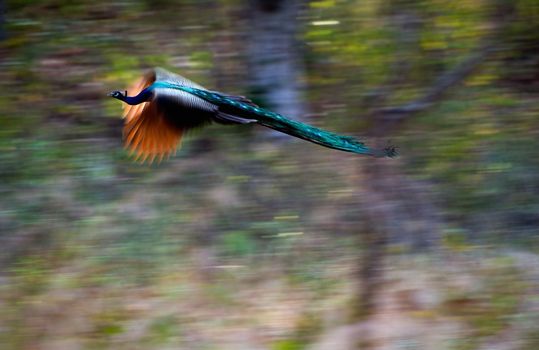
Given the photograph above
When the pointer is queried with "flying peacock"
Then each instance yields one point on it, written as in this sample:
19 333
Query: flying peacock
162 106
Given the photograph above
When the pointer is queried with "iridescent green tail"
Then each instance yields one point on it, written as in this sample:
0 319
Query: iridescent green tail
321 137
241 107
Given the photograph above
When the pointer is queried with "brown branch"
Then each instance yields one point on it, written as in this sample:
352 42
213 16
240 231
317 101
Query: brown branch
502 16
444 83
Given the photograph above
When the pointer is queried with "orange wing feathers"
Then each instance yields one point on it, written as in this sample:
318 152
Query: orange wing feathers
146 131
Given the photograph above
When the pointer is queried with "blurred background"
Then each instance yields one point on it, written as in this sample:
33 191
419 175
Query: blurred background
249 240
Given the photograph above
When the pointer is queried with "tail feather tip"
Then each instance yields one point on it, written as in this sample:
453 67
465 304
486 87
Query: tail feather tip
389 152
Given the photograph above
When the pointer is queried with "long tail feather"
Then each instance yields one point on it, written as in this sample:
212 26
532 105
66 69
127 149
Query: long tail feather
291 127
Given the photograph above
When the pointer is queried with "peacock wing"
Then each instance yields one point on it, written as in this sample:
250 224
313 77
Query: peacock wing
147 132
154 129
162 74
149 135
195 103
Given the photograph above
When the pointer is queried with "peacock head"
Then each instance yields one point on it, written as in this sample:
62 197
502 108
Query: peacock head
119 95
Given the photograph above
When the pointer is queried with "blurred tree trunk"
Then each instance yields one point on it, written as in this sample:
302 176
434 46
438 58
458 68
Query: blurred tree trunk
275 69
398 208
393 208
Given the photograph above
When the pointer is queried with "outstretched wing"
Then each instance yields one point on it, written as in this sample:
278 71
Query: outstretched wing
164 75
154 129
147 132
150 135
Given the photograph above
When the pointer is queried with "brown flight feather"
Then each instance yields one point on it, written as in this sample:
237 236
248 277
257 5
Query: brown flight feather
147 133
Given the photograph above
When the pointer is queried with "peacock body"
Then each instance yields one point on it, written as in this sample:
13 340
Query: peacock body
164 105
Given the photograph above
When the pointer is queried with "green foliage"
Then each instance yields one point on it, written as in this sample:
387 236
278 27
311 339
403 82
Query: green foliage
31 275
287 344
238 243
163 329
456 241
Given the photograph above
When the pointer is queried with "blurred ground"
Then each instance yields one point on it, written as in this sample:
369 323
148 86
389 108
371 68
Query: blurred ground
481 299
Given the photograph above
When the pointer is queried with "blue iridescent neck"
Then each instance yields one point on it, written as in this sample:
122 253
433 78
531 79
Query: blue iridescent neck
143 96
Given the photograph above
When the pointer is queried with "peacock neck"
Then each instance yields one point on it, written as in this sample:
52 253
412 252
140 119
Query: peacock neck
143 96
